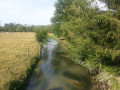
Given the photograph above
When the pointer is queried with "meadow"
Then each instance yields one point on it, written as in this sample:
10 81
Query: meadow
17 51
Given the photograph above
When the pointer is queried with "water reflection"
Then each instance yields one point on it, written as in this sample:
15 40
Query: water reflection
58 72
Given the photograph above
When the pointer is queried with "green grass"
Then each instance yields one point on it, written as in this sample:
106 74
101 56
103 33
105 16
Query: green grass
52 36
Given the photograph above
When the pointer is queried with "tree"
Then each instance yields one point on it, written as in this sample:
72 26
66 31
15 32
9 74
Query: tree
112 4
11 27
1 28
20 28
90 33
60 15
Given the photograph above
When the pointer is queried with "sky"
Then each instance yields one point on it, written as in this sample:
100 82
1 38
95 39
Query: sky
101 5
31 12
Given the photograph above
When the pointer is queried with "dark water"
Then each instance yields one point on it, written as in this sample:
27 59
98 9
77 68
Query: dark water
58 72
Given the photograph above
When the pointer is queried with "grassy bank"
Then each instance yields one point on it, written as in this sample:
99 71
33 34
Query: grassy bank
102 75
18 55
52 36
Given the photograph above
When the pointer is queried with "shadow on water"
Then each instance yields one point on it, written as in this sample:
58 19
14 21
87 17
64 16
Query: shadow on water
56 88
59 72
79 78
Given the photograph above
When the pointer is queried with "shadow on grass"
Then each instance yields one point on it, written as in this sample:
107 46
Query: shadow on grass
22 82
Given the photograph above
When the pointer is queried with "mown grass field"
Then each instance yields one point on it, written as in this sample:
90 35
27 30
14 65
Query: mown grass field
14 59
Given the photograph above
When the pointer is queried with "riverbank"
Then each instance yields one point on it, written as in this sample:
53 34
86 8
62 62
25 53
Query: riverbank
20 82
101 75
19 52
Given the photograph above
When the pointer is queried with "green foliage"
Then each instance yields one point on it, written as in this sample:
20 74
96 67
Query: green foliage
112 4
115 84
90 33
41 35
13 27
56 29
105 31
20 28
1 28
10 27
118 13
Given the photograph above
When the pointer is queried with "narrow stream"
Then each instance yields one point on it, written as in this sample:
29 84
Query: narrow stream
58 72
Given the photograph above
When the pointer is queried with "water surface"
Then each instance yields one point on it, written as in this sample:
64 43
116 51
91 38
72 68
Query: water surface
58 72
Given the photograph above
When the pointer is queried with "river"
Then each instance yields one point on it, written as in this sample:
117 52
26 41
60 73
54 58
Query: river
58 72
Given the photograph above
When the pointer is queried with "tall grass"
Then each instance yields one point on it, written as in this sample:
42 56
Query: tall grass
14 60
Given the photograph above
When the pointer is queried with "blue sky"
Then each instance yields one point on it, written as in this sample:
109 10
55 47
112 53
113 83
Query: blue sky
31 12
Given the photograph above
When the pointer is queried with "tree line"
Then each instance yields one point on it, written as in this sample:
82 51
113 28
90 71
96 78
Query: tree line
13 27
94 35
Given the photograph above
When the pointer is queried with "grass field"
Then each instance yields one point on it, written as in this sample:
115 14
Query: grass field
14 60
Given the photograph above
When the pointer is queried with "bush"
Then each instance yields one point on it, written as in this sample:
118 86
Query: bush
41 35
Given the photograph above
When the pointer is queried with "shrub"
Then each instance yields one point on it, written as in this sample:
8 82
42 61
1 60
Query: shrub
41 35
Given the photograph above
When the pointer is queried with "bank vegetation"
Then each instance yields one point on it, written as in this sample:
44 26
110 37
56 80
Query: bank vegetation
93 36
